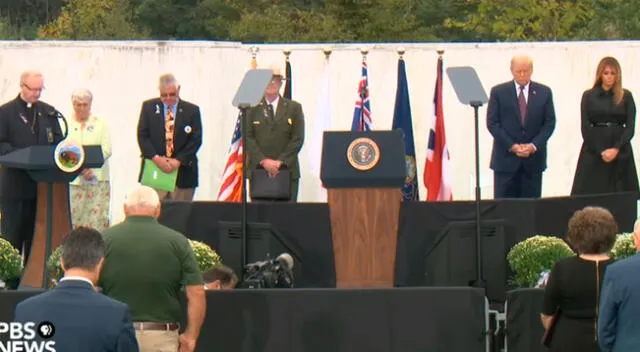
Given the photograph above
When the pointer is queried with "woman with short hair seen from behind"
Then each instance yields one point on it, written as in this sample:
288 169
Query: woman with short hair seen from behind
90 191
572 294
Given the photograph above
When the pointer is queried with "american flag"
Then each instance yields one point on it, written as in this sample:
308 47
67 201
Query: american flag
362 113
437 169
232 183
231 188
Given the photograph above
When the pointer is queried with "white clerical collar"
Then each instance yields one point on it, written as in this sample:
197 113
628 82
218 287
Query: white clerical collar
77 278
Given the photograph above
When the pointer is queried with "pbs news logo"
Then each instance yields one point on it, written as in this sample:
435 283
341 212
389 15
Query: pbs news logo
27 337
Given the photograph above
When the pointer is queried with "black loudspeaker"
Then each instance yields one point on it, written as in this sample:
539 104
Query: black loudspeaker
451 260
263 242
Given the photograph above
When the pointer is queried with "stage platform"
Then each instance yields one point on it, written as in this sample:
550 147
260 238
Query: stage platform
309 320
436 240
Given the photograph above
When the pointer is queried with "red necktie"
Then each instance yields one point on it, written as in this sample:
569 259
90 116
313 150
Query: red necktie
522 102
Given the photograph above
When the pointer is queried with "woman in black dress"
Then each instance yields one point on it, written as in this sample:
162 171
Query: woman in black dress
606 163
572 294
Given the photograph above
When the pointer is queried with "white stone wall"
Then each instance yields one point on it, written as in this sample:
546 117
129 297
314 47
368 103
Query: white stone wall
122 74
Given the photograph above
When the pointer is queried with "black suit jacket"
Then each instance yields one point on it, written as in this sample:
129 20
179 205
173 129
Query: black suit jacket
15 134
84 320
186 141
505 124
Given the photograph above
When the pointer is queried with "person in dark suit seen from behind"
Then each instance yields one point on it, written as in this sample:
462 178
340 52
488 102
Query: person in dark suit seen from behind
608 122
276 133
24 122
619 318
146 266
170 135
83 319
521 118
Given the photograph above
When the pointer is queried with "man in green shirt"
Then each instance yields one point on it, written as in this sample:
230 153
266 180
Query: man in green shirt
146 265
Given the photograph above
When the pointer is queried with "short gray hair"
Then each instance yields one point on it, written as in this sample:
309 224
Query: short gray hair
167 79
142 197
28 74
81 94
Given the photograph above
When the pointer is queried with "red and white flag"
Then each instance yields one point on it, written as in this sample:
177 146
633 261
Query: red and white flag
437 169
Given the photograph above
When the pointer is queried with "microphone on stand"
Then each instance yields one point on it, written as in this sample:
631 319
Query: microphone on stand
58 115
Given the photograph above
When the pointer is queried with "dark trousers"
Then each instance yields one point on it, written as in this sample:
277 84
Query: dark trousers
519 184
294 190
18 223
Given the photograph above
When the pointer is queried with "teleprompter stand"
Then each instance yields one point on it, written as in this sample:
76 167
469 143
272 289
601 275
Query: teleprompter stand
248 95
469 91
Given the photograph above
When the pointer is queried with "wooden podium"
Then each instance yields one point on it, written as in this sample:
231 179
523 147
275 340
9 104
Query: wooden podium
53 219
364 173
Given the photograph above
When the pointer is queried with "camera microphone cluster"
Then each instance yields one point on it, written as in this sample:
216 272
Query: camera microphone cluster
271 273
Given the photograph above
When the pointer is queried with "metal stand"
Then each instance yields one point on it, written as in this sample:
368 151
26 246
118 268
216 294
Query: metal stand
243 216
47 248
249 94
479 281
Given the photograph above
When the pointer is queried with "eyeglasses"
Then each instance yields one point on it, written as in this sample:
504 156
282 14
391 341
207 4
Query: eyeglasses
33 89
170 95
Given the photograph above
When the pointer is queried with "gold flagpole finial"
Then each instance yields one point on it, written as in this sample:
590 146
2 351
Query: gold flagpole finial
327 51
254 51
401 52
440 52
364 51
286 53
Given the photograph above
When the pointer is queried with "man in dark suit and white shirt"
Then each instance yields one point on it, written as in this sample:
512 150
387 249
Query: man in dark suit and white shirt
619 313
83 319
170 135
24 122
521 118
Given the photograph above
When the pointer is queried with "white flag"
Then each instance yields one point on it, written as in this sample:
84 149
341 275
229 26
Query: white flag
322 122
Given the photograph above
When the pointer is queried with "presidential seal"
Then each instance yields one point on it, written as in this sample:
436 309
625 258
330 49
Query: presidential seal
363 154
69 156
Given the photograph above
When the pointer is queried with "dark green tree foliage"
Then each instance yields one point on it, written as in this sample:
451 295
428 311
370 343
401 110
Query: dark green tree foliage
321 20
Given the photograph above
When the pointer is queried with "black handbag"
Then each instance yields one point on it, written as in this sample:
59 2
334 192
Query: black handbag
263 187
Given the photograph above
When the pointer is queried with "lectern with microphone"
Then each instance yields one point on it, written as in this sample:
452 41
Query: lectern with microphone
364 173
53 219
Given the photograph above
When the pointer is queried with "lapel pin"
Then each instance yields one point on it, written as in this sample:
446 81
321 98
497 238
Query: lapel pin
157 109
187 129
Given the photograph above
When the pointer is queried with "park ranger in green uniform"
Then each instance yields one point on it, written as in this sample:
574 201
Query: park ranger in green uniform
276 133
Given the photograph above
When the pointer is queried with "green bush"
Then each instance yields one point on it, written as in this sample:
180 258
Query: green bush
10 262
529 258
54 268
624 247
206 257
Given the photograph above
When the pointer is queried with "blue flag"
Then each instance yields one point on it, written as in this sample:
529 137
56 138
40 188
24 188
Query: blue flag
402 120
